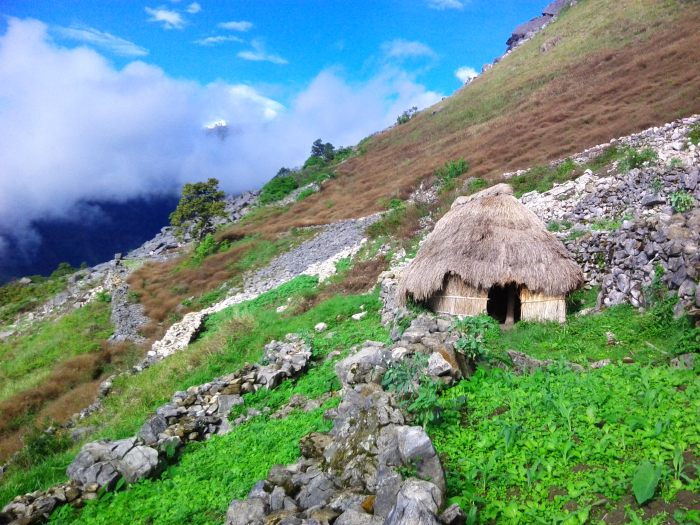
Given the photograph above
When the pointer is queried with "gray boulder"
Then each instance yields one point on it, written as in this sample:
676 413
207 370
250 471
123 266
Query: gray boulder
151 428
103 462
366 366
416 504
246 512
416 449
355 517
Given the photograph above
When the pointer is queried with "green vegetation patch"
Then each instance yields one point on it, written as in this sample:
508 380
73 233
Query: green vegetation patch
16 298
559 445
209 475
277 189
232 338
27 359
646 338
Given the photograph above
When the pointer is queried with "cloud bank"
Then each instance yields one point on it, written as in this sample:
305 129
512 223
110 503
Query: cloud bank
75 129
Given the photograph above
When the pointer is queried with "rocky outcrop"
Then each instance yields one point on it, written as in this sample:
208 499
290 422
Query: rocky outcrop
373 466
527 30
622 228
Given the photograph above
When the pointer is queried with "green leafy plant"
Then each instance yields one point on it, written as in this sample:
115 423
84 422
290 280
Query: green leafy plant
645 480
448 173
426 407
633 158
303 194
471 345
682 201
103 297
475 184
694 134
675 162
403 377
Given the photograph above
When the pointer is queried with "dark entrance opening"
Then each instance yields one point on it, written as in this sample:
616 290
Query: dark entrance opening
498 304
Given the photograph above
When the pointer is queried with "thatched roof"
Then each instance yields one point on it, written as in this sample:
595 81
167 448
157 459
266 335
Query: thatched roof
489 239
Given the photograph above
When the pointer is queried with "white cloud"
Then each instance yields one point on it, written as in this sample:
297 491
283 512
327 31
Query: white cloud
193 8
75 129
241 25
441 5
215 40
169 18
466 74
101 39
400 48
258 54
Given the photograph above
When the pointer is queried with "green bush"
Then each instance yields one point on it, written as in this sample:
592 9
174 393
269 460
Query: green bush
277 189
682 201
406 115
694 134
475 184
448 173
633 158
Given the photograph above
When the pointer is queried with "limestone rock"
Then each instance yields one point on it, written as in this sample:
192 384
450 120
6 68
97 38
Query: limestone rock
416 504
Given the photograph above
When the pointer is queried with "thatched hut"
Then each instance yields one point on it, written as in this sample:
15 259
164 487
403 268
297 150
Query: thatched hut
490 254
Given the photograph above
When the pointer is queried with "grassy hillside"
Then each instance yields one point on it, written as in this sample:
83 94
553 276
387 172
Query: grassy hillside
617 67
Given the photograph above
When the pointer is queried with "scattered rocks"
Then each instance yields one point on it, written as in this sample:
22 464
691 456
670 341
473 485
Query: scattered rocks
626 256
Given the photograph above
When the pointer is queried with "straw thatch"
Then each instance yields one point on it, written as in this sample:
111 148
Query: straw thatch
491 239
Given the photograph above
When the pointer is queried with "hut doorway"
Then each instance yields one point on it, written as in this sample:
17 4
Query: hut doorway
504 304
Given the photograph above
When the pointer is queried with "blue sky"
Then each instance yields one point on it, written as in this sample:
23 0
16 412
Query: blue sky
111 100
294 40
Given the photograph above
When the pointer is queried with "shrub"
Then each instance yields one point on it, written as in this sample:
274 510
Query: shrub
556 226
403 377
682 201
694 134
406 115
633 158
277 189
448 173
471 345
475 184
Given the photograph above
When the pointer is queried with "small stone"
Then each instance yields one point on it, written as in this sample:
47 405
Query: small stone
321 327
359 316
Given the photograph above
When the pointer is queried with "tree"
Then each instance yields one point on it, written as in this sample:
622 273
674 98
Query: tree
200 204
322 151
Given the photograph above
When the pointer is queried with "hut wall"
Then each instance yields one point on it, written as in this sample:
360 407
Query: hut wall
457 298
540 307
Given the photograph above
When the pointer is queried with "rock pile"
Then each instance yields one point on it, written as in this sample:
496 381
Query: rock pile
355 475
193 415
621 227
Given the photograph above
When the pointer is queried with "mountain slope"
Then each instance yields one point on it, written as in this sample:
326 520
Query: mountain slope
612 68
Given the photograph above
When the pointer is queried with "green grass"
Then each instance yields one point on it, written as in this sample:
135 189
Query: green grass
28 359
694 134
646 338
16 298
557 444
209 475
542 178
232 338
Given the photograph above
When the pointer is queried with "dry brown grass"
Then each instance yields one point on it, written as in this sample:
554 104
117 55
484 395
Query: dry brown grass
649 77
162 287
71 386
